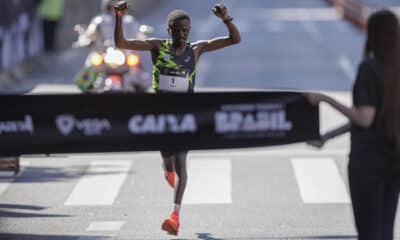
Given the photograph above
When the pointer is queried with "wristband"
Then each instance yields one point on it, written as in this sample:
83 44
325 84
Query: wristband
230 19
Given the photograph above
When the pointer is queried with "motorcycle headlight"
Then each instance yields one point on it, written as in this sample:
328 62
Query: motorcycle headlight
133 60
96 59
114 57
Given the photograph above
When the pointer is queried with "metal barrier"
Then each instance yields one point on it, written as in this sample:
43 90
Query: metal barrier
10 164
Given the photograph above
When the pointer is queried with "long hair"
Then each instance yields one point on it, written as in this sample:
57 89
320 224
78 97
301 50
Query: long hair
383 43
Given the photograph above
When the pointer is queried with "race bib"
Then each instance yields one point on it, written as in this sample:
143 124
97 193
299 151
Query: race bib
173 84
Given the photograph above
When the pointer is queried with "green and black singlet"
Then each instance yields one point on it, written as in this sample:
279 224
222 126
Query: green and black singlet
172 73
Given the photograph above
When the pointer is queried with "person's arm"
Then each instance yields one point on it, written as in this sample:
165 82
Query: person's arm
337 132
319 143
364 99
90 32
87 36
133 44
217 43
362 115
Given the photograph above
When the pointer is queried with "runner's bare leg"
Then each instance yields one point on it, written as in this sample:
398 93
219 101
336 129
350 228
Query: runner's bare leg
181 172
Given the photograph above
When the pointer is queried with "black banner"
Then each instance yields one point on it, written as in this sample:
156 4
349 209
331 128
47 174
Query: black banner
125 122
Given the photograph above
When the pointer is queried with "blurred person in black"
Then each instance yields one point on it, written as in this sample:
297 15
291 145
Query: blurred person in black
374 165
174 70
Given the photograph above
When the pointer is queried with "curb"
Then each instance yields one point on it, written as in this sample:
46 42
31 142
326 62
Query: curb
354 11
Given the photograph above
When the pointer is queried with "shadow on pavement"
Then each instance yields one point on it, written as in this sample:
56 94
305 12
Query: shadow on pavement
22 207
56 174
14 211
11 214
209 236
15 236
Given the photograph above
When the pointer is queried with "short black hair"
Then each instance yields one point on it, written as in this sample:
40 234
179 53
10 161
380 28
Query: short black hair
176 15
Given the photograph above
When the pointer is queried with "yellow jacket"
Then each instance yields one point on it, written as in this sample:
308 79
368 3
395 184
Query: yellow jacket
51 9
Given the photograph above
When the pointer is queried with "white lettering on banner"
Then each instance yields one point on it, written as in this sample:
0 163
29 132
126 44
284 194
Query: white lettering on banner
164 123
66 124
231 122
25 125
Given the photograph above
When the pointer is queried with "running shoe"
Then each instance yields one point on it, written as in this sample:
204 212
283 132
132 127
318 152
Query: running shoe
171 224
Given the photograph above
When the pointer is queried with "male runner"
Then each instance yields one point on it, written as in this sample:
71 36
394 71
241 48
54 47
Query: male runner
174 70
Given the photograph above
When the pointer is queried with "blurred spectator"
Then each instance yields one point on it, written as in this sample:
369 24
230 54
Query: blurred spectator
51 12
101 28
20 32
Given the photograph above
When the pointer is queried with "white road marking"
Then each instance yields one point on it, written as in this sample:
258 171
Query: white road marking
107 226
291 14
108 237
100 185
209 181
7 178
302 150
4 184
319 181
55 88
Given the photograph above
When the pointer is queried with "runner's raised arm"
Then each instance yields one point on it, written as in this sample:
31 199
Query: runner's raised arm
217 43
132 44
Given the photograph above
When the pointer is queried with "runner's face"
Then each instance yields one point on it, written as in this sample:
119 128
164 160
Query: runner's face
179 31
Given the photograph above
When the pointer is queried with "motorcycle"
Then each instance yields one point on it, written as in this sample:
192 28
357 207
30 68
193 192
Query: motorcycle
108 68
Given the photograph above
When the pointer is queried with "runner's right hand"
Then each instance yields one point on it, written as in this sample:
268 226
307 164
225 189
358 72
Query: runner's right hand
221 11
121 9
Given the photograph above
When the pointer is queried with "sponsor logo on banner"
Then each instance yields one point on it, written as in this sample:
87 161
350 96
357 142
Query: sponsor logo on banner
162 123
67 124
249 118
15 126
